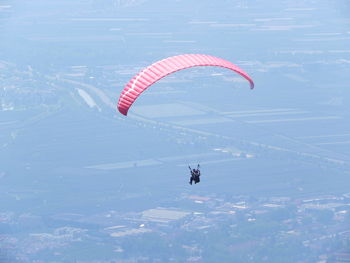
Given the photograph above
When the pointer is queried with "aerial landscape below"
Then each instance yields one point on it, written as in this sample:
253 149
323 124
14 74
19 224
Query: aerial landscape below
81 182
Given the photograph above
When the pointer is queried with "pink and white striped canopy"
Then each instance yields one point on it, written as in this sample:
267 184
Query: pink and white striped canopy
162 68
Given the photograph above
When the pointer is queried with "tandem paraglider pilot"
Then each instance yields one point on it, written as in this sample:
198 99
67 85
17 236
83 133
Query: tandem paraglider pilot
195 175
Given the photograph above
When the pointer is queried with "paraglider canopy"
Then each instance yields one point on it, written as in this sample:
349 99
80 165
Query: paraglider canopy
162 68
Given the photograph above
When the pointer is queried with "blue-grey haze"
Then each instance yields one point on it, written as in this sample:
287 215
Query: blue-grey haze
79 182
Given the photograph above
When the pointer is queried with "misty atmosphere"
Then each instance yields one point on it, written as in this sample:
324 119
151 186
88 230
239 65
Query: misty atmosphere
80 182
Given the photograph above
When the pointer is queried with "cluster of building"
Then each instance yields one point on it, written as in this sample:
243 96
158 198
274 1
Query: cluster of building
314 228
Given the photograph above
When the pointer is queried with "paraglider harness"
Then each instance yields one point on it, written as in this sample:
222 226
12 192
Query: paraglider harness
195 174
